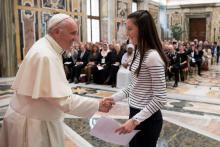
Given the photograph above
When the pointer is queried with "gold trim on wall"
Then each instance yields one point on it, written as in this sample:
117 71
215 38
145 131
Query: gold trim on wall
40 11
18 51
46 10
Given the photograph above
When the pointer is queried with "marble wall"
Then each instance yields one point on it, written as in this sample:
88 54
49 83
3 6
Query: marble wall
8 60
154 9
215 25
181 14
123 8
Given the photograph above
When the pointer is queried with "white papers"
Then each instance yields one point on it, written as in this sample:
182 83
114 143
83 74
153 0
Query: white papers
105 130
116 64
99 67
67 63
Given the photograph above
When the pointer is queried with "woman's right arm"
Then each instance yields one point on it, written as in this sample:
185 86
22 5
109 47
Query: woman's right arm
122 94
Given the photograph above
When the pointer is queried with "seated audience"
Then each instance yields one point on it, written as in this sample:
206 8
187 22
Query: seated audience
103 65
82 60
115 61
207 54
93 61
174 65
216 52
69 60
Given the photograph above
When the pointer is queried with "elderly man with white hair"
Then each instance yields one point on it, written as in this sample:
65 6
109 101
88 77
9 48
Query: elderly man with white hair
42 93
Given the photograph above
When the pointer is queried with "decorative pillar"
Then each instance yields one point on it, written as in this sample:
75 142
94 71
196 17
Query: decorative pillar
8 62
111 20
104 17
84 21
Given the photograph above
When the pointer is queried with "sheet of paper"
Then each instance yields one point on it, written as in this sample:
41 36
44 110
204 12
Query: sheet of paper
105 130
99 67
116 64
67 63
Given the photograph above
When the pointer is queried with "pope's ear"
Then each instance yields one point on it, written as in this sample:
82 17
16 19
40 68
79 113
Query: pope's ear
56 31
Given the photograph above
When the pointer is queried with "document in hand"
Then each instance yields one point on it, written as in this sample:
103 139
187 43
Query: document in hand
105 130
99 67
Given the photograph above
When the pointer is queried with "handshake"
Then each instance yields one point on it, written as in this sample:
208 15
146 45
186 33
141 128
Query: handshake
106 104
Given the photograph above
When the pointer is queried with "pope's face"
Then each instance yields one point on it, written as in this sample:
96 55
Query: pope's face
68 35
132 31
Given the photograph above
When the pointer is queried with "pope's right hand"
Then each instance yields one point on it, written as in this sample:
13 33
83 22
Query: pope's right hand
106 104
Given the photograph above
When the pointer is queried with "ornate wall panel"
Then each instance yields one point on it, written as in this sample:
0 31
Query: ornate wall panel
176 19
181 15
31 17
8 61
154 10
215 26
123 8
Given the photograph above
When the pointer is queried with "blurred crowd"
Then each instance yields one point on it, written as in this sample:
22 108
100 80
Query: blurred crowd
187 58
108 63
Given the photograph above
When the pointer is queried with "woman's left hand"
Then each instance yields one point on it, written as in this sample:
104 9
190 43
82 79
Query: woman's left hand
127 127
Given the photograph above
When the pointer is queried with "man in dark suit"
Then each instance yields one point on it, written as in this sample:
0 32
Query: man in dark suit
82 61
216 51
218 54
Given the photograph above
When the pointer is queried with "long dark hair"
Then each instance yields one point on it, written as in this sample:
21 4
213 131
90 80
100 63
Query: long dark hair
147 36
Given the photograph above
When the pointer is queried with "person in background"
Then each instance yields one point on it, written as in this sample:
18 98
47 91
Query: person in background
174 65
103 65
183 57
128 56
42 93
124 74
146 92
69 61
216 51
198 57
115 62
93 61
81 62
207 54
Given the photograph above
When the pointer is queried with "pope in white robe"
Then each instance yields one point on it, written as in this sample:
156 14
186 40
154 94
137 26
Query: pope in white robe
42 93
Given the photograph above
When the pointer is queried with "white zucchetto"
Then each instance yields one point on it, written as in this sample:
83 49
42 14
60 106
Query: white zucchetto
56 19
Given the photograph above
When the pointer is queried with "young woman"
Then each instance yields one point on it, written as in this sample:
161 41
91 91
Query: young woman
147 91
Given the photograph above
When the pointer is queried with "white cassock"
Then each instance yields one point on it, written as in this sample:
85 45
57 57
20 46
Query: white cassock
42 95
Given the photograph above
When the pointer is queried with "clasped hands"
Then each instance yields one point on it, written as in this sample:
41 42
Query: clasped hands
106 104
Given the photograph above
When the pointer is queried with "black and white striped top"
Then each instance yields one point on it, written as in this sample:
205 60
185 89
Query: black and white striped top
147 91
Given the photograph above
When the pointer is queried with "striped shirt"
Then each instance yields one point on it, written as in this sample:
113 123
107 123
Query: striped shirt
146 92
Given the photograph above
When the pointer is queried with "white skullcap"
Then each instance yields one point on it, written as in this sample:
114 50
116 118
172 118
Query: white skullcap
130 46
56 19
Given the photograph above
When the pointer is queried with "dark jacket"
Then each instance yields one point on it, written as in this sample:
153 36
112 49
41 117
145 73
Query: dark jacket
84 58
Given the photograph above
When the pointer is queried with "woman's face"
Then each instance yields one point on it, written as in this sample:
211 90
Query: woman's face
132 31
94 49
